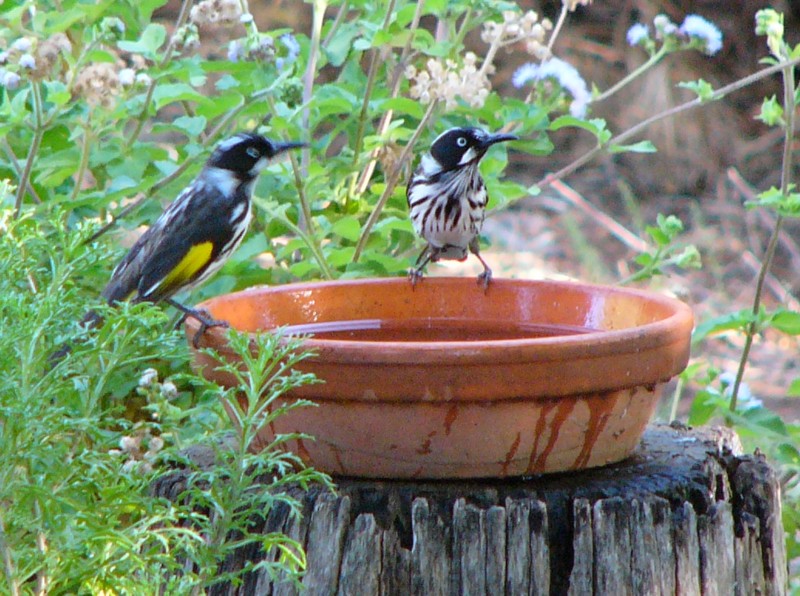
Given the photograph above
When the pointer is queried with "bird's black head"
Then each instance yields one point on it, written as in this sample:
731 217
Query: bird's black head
246 154
458 147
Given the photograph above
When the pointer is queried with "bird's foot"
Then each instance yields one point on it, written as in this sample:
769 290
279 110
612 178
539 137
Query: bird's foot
206 323
414 275
484 279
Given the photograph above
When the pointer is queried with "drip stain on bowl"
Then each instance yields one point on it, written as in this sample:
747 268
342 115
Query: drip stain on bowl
432 330
444 380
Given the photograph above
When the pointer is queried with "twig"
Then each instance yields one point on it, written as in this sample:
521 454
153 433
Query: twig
637 128
18 169
38 134
787 68
749 193
616 229
391 183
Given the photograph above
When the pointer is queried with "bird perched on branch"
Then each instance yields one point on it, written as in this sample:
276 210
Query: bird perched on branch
447 198
196 234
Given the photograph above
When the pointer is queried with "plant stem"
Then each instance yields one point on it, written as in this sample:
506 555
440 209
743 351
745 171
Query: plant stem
38 134
386 118
84 163
318 17
636 129
337 21
371 70
562 17
18 169
786 180
186 6
652 61
391 183
309 240
8 561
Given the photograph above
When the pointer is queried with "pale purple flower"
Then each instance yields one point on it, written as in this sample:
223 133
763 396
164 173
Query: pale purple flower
567 76
235 50
27 61
638 33
23 44
664 27
10 81
293 50
701 29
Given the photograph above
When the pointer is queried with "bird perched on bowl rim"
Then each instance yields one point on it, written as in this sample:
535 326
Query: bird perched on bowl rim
447 198
197 232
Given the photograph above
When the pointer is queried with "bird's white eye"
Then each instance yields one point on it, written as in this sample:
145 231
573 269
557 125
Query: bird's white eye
253 152
461 141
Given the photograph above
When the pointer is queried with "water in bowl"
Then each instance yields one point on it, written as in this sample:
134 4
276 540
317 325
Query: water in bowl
432 330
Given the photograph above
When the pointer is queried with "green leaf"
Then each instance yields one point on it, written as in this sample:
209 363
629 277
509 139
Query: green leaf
57 93
771 112
348 227
192 126
596 126
166 94
703 89
404 105
153 37
640 147
728 322
787 321
339 47
794 389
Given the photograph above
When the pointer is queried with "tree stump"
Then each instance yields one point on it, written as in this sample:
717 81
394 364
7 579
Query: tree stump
686 514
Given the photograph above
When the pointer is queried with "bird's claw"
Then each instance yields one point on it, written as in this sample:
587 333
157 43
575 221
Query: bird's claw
206 323
414 275
484 279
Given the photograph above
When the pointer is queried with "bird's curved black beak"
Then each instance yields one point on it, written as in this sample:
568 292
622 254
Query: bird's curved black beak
497 138
286 146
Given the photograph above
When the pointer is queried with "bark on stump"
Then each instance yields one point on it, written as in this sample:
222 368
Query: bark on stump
686 514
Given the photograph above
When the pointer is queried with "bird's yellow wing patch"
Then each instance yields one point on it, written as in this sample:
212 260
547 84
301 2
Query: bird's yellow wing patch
193 261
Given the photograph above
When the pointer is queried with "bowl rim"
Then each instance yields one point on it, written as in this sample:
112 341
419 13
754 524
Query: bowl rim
673 329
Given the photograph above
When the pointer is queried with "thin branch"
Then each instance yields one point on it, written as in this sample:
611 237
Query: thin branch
38 134
391 183
786 181
637 128
18 169
616 229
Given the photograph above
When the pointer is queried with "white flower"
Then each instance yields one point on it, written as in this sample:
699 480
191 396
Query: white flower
745 397
127 77
143 79
246 18
27 61
11 81
567 76
168 390
148 378
638 33
23 44
699 28
235 50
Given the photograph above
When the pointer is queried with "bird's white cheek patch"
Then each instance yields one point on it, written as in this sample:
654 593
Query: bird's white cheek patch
469 155
224 180
260 165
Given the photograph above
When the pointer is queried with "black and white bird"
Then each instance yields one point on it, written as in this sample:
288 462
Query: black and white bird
196 233
447 198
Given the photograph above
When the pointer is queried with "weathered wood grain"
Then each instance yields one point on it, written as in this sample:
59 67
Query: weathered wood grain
361 561
715 530
687 514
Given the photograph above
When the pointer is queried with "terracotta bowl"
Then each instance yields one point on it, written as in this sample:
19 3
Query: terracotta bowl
443 380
